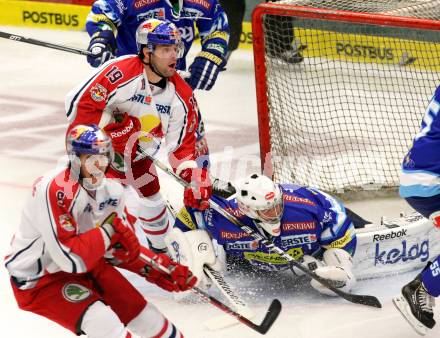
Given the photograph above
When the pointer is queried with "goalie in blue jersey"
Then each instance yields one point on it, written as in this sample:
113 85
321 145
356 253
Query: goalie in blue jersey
420 186
308 224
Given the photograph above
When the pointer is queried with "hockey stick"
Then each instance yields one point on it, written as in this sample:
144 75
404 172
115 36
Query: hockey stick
359 299
15 37
221 321
270 317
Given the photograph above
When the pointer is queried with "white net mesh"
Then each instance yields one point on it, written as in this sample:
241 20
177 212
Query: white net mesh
345 99
426 9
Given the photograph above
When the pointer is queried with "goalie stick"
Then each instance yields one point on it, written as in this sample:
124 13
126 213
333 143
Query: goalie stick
268 320
358 299
216 277
19 38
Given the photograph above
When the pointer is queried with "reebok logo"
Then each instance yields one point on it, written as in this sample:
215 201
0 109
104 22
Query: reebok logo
127 129
392 234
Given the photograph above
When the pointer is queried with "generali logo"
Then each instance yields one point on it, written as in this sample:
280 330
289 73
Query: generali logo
299 226
142 3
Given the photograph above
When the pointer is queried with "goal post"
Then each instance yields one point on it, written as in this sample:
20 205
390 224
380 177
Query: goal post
341 117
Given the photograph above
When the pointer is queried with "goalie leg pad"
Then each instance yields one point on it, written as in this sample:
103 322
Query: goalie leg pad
337 271
194 249
337 257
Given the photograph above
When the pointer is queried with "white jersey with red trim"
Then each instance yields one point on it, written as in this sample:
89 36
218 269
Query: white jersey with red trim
60 228
121 86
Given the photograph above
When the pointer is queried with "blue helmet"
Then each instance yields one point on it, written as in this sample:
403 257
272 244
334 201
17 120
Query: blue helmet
154 32
88 139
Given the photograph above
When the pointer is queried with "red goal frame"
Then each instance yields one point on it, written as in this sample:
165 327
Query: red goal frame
312 13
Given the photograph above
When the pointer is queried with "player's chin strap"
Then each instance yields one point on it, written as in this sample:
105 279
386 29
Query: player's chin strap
358 299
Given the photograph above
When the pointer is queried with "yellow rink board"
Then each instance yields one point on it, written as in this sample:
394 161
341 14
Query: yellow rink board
370 49
43 15
320 43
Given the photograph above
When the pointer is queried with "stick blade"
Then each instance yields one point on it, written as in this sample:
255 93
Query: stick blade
366 300
271 315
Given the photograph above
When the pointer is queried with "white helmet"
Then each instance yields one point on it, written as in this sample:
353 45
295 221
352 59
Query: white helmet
261 199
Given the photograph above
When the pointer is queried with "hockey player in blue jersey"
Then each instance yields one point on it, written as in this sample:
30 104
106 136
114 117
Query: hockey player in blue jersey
112 26
420 186
308 224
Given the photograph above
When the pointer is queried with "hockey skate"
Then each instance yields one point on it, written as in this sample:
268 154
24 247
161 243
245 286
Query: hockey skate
415 304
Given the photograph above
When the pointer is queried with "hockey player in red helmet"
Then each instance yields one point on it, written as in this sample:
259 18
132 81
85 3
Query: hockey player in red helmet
74 231
142 103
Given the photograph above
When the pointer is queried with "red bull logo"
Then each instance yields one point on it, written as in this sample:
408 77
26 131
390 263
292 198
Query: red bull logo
269 196
98 93
78 131
66 223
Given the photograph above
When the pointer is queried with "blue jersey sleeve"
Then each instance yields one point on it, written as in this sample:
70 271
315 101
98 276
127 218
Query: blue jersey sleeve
421 165
214 30
106 14
337 228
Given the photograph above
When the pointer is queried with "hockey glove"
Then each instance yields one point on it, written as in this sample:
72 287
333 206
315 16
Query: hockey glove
120 133
204 70
199 192
102 48
337 271
125 244
180 278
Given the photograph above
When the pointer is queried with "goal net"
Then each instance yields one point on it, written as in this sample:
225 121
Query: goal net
342 87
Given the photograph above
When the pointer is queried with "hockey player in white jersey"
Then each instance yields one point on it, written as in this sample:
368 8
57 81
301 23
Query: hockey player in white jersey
62 257
140 101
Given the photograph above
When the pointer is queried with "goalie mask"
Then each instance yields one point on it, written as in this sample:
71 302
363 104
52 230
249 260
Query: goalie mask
92 141
261 199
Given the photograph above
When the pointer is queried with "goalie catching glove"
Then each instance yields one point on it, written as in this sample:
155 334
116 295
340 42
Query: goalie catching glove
337 270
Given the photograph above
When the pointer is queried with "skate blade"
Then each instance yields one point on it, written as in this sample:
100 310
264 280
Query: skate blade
402 305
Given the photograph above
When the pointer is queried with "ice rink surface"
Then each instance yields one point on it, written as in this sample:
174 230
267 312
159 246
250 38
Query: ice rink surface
34 81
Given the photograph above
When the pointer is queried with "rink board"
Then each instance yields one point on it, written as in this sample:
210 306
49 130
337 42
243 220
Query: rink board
409 244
